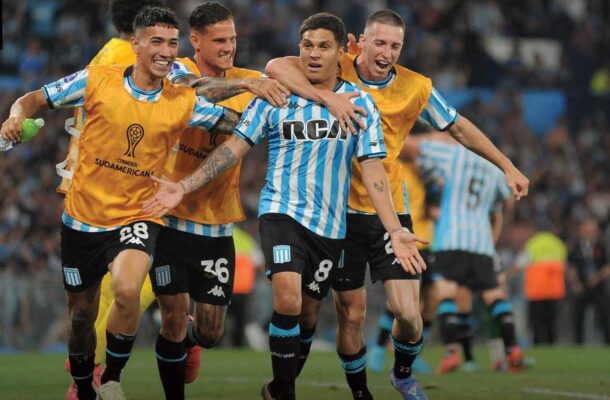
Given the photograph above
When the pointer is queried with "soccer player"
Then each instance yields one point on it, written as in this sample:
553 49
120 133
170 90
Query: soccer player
195 253
402 96
463 245
118 50
134 115
303 204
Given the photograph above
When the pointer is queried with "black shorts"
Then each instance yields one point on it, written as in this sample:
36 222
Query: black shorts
474 271
368 243
289 246
430 275
199 265
85 255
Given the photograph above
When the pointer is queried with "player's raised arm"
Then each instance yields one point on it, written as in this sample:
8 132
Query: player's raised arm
24 107
289 72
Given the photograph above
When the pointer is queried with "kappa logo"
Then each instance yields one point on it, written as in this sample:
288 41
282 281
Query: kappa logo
135 133
314 286
134 240
217 291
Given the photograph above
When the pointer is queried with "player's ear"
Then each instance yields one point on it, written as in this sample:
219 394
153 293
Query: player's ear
134 43
194 39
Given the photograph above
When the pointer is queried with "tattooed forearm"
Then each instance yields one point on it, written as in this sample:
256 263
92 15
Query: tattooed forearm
221 159
228 121
379 185
219 89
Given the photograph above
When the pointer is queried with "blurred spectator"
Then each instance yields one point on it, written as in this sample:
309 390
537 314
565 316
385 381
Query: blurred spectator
543 261
589 274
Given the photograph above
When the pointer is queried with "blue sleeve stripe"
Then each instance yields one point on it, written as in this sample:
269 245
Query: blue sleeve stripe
373 155
206 115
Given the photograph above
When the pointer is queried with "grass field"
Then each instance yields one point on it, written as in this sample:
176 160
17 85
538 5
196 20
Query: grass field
559 373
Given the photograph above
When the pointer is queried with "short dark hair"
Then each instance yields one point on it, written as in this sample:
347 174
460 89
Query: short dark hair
123 12
208 13
386 17
151 16
324 21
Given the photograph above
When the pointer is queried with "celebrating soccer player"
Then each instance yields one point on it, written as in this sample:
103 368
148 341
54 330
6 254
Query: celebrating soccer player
402 96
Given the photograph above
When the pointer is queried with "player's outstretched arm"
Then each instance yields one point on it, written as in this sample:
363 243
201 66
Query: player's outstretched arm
219 89
170 194
472 138
403 241
288 71
24 107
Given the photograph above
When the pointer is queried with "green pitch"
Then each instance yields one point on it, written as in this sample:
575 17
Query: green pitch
559 373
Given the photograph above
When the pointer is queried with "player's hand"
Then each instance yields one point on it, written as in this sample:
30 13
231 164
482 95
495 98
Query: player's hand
347 113
168 196
517 182
269 89
352 45
405 249
11 129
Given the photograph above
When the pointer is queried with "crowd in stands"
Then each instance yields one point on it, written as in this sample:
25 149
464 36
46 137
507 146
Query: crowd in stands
449 40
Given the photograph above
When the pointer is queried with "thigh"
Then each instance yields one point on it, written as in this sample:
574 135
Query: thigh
210 316
382 262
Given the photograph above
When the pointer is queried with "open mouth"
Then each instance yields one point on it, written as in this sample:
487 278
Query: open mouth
382 65
162 63
314 67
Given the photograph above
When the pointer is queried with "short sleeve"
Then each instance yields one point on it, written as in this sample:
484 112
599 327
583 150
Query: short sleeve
438 112
254 121
371 143
67 92
205 114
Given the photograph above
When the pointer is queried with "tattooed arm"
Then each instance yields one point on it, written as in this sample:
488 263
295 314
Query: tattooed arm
219 89
227 122
403 241
222 158
170 194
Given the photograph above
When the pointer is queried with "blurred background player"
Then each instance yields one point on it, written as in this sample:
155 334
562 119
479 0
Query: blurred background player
198 233
463 246
118 51
401 96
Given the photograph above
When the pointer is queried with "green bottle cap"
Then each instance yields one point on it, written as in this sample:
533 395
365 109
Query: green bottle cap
30 127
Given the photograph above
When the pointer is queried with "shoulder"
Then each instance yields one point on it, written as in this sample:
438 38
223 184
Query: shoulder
186 64
406 75
236 73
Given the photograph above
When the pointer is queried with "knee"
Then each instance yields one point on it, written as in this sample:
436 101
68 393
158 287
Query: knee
409 320
209 336
352 317
287 303
174 325
127 296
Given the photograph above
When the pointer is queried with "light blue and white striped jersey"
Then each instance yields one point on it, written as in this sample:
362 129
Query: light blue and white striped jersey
438 113
310 158
70 92
472 187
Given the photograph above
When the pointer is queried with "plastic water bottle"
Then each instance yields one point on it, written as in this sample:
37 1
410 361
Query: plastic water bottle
29 129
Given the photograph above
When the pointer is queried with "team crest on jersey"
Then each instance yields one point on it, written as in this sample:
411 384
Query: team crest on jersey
163 275
135 133
72 276
70 78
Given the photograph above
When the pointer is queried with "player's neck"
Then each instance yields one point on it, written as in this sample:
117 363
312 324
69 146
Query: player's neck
125 36
144 81
330 83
